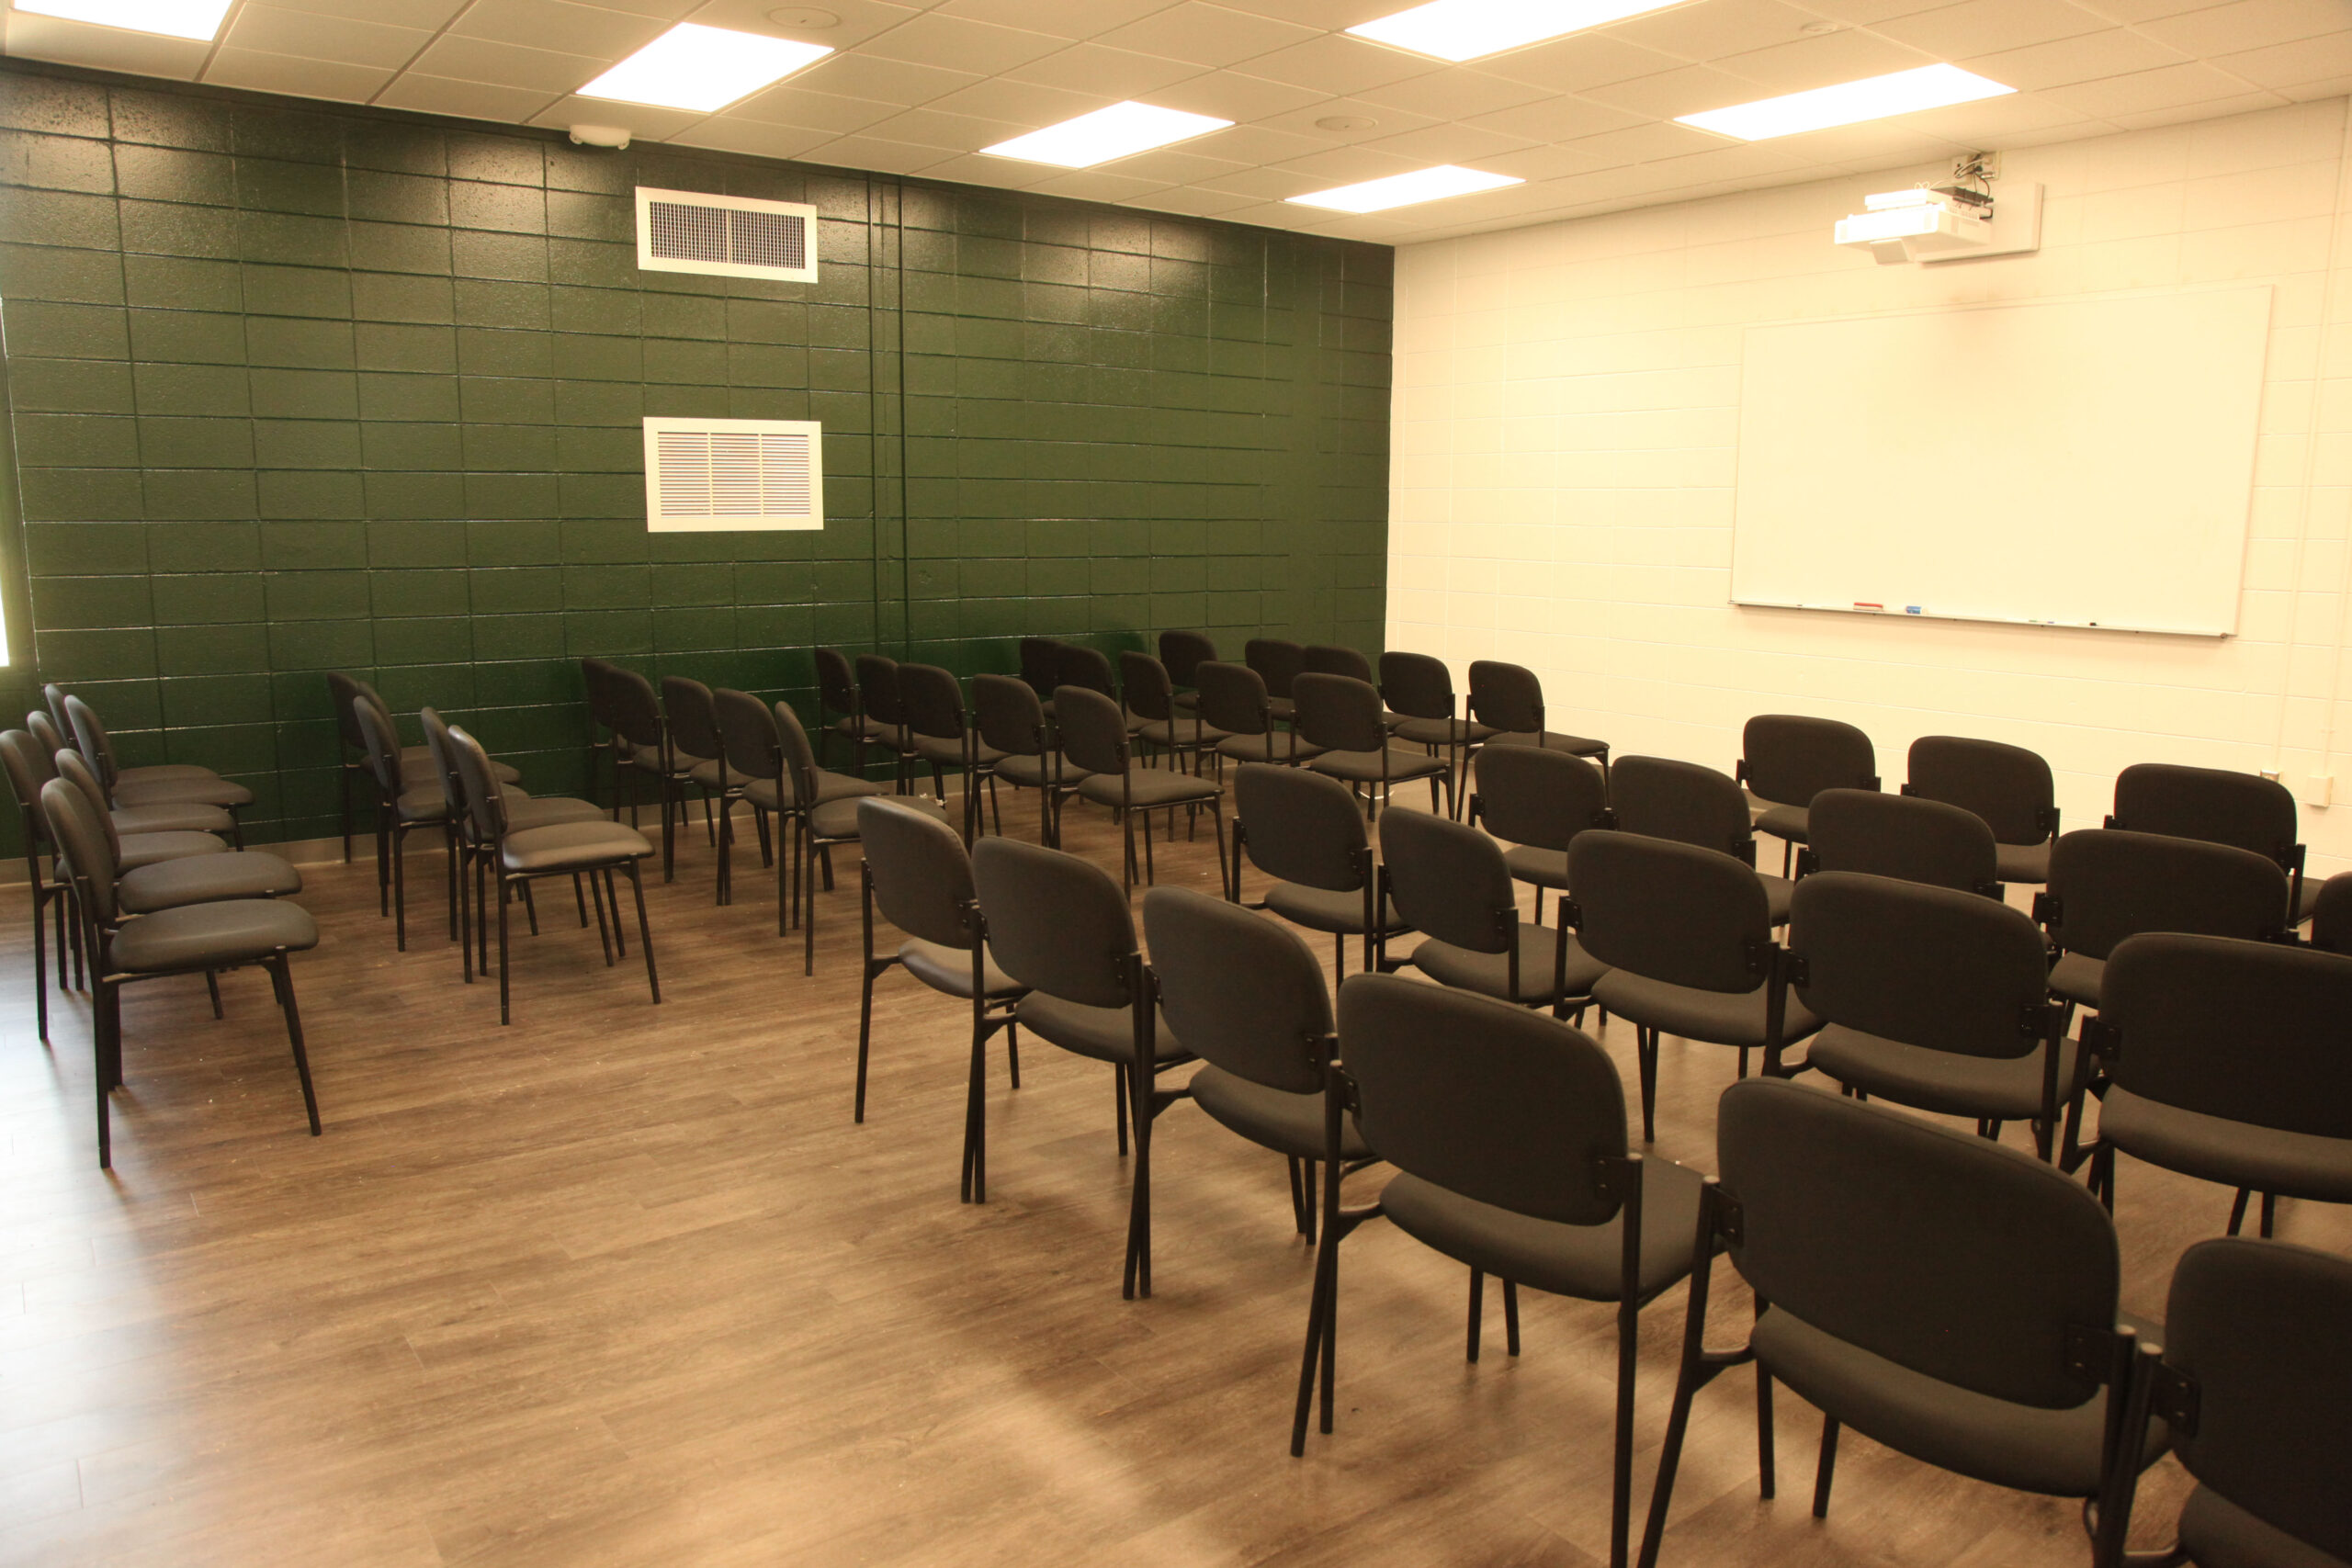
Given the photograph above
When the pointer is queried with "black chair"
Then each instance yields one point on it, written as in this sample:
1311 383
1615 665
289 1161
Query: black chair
2107 884
824 811
1934 998
1341 715
341 691
1507 701
2008 786
1687 937
1538 801
1948 1297
638 712
1661 799
2229 1061
917 872
1150 696
1786 758
1041 665
884 708
2245 810
2253 1381
2331 914
1058 925
99 748
1095 740
170 784
1508 1133
1250 1001
599 678
1277 662
752 742
840 709
1905 838
193 817
940 733
1181 653
1330 659
1450 881
1419 689
1011 721
1305 832
199 938
402 806
694 742
1234 700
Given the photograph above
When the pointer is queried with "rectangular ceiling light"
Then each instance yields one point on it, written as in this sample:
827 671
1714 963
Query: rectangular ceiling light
1468 29
1849 103
1402 190
702 69
1120 132
172 18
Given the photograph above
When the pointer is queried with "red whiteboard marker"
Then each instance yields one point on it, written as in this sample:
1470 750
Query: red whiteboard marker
1866 605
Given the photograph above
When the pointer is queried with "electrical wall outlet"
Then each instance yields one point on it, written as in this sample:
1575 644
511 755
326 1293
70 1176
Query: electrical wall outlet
2319 789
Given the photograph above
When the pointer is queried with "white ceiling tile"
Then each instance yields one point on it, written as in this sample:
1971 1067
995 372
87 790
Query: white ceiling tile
1195 203
1462 144
873 153
430 15
643 121
955 133
1717 27
1557 118
275 29
724 133
2088 57
672 10
1997 122
467 100
1000 173
581 29
1869 13
1847 56
1230 95
1881 144
1094 185
1019 103
1453 95
794 105
957 44
1685 90
261 71
1332 15
2316 92
860 19
1265 184
1207 35
864 75
1264 144
2247 25
2288 64
508 65
1382 119
1576 64
1336 63
1535 164
1193 162
2181 113
1346 166
2136 11
1114 73
106 49
1643 142
1064 19
1978 26
2144 91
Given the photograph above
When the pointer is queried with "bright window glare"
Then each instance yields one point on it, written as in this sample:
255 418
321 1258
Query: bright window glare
1466 30
1849 103
1402 190
702 69
1120 132
172 18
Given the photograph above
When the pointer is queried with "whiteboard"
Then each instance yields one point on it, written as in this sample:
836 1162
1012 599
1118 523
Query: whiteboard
2083 463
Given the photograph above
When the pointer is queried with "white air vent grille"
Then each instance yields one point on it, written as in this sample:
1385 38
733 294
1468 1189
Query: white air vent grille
709 475
727 236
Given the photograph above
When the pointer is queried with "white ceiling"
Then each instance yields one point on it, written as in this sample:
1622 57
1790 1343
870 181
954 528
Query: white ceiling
1587 121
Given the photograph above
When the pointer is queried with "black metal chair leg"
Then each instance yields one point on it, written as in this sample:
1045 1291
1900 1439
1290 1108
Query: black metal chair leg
281 975
1119 1089
1477 1312
505 894
644 932
1827 1469
212 985
1511 1317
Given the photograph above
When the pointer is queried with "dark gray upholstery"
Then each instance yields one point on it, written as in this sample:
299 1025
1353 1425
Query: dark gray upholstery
1094 735
2215 805
2331 914
1902 837
212 936
1450 881
1246 994
1742 1020
1012 721
1507 701
1672 912
922 879
1787 758
1277 662
1660 797
164 785
1420 686
1234 699
1539 800
1306 830
1183 652
840 710
206 879
2009 787
1341 717
2107 884
75 768
1041 665
154 849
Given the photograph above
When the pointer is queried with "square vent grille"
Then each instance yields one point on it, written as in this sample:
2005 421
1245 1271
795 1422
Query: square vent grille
726 236
709 475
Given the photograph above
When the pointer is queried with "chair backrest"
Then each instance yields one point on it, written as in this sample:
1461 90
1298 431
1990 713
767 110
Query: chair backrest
1233 697
1418 685
1330 659
1923 966
1660 797
342 691
2008 786
1449 880
922 879
747 736
1788 758
1075 664
685 705
46 733
1241 991
1057 923
1041 665
28 767
2106 885
836 687
484 806
877 684
1501 1105
1011 717
799 757
1506 697
2259 1328
1903 837
2331 914
1339 713
636 710
90 738
595 680
2250 1031
445 762
2246 810
75 770
1301 827
1183 652
1946 1254
1671 912
77 829
1529 796
1277 661
1144 682
54 696
383 746
1093 732
932 701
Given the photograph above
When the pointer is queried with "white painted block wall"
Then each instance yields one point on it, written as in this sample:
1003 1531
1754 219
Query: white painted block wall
1566 414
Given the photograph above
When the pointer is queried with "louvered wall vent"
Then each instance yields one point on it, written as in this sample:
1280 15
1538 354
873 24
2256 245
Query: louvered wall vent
728 236
707 475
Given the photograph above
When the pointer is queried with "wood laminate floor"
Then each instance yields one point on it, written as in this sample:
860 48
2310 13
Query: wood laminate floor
624 1284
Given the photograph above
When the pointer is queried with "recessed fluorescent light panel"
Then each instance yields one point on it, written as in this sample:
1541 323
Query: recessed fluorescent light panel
1120 132
172 18
1849 103
1402 190
702 69
1469 29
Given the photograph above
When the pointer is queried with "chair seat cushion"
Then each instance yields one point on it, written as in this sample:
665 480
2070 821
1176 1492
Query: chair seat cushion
1280 747
1788 822
571 846
1273 1118
205 791
1108 1035
191 817
425 803
949 969
1488 974
210 936
2236 1154
206 879
1365 767
1148 788
1779 892
1430 731
2054 1452
549 810
2022 862
1175 732
948 753
765 793
1034 771
855 725
154 849
160 772
2077 975
1552 740
648 760
846 786
1321 909
1544 868
2217 1533
715 774
1583 1261
1944 1082
838 818
1718 1018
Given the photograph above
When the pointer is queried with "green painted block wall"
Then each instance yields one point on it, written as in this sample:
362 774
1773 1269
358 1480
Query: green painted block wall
294 389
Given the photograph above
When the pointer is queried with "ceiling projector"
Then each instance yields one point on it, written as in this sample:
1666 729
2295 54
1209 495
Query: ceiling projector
1922 224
